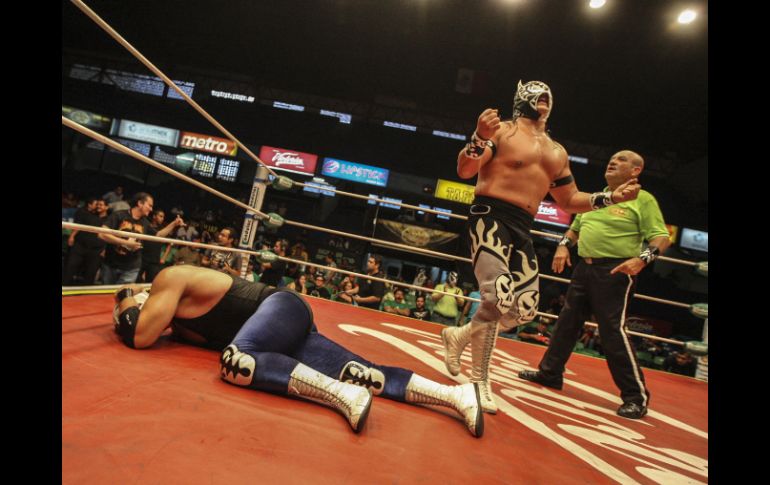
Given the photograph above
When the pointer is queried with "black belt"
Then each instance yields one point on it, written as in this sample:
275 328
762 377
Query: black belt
603 260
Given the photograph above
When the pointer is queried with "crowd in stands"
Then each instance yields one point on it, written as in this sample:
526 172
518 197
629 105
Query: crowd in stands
89 259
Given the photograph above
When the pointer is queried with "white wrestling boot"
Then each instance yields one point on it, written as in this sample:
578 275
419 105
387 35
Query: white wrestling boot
350 400
483 338
464 399
455 339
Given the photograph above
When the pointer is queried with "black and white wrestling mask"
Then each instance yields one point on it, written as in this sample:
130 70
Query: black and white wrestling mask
526 99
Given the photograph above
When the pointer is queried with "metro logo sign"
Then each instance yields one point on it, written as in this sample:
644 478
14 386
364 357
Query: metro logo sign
289 160
205 143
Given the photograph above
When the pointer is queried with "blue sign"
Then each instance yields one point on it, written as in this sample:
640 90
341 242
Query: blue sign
318 188
383 204
356 172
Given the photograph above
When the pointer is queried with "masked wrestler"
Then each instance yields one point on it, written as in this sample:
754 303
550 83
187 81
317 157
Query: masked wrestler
517 164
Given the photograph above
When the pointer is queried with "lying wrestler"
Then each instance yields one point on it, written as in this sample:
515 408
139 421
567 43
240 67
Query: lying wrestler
271 344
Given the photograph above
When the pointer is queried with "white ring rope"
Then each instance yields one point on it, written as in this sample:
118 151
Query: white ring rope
115 35
99 288
179 242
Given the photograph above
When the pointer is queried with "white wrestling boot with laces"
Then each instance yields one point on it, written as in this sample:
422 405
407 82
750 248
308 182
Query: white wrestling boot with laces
455 339
464 399
483 338
350 400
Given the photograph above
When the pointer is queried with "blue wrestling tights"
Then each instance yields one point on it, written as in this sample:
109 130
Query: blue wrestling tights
281 334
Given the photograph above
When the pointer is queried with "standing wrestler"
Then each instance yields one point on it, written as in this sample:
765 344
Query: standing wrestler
271 344
517 165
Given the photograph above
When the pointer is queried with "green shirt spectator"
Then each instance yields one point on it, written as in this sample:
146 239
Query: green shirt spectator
397 305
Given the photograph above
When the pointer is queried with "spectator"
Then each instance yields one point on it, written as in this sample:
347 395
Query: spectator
84 246
446 308
188 233
102 210
329 261
538 334
419 311
189 255
272 273
120 205
370 292
152 252
209 228
299 285
311 272
114 195
225 261
299 252
251 273
397 305
320 289
388 296
680 363
346 292
123 258
168 255
419 280
588 339
649 346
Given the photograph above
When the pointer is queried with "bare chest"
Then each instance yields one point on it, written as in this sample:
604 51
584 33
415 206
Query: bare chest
518 151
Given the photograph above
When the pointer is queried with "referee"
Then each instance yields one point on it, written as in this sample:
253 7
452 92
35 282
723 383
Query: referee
612 253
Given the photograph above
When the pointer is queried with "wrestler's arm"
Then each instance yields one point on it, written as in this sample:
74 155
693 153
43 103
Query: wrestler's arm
476 153
468 167
157 311
565 192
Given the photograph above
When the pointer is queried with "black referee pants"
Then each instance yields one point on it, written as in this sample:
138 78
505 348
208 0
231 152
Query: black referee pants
594 290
